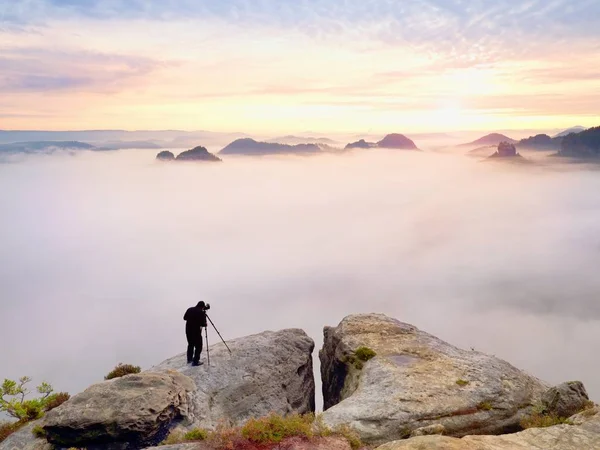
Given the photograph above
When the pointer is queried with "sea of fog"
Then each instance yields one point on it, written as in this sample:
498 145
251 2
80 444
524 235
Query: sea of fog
101 253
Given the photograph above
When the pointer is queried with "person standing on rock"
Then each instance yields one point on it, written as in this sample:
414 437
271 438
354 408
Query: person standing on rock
195 319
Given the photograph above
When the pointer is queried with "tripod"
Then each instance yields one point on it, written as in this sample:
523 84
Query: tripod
206 334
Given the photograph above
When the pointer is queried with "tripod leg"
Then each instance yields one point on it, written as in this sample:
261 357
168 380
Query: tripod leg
213 325
207 350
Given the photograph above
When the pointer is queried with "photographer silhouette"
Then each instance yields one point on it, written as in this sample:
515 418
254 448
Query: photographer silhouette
195 318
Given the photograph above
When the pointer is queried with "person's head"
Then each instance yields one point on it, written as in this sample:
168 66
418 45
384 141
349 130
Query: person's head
201 304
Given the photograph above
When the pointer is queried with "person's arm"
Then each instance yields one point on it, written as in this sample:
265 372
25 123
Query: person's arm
185 316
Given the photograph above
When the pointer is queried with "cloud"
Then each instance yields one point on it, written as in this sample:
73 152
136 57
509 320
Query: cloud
43 70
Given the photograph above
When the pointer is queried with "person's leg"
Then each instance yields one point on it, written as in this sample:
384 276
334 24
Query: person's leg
197 348
190 348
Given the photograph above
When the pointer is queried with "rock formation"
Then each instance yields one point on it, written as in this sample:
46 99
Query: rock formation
506 150
134 411
584 144
583 435
415 381
267 372
165 155
197 154
489 139
360 144
249 146
398 141
566 399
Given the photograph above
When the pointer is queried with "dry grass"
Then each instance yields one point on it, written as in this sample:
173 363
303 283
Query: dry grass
265 433
537 420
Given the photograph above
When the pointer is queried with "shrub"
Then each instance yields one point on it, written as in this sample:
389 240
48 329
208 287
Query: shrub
55 400
364 353
350 435
197 434
225 437
537 420
12 399
462 382
38 432
121 370
8 428
485 406
274 428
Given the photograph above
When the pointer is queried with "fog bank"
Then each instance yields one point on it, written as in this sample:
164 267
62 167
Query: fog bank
101 254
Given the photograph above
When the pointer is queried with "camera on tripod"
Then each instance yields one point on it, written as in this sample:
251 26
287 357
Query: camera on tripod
205 307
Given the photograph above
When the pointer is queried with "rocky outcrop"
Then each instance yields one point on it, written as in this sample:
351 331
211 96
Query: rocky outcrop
417 380
134 411
247 146
165 155
565 399
360 144
197 154
397 141
266 372
559 437
506 150
23 439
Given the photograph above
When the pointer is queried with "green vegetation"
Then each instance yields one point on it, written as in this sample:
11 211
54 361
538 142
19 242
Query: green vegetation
485 406
541 418
121 370
462 382
537 420
360 356
13 402
364 353
8 428
38 432
265 431
274 428
197 434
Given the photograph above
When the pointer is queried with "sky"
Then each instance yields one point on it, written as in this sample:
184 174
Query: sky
272 66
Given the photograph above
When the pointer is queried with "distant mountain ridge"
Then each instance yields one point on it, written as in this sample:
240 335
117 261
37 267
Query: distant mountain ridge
248 146
44 146
490 139
575 129
392 141
583 144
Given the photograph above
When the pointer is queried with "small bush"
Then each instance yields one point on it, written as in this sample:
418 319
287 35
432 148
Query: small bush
121 370
462 382
8 428
55 400
274 428
536 420
225 437
485 406
38 432
364 353
350 435
197 434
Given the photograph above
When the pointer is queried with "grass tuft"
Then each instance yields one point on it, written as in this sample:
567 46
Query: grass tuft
462 382
121 370
364 353
197 434
536 420
38 432
274 428
485 406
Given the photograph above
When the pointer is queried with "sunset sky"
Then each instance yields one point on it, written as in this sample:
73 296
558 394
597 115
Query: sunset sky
299 65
